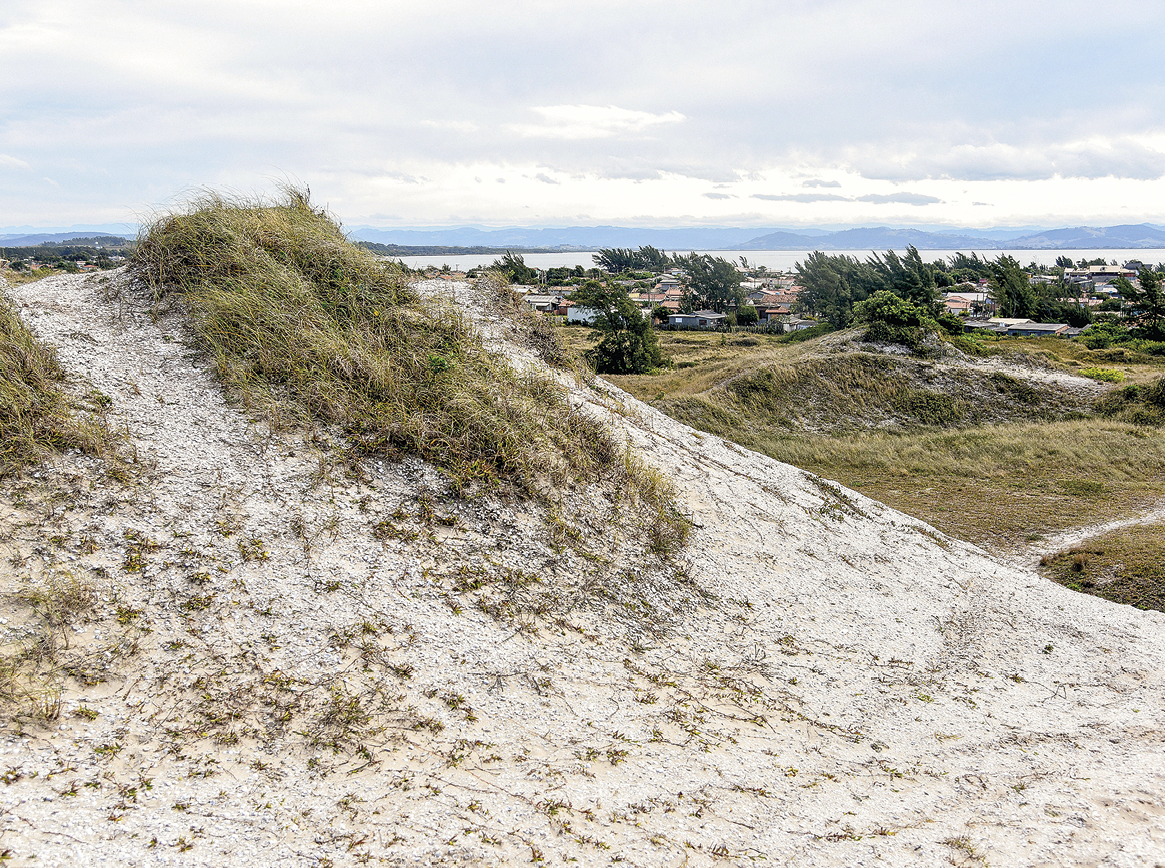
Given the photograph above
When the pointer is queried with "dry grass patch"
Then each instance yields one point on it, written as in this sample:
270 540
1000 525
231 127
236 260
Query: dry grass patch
313 332
1126 566
1043 469
37 417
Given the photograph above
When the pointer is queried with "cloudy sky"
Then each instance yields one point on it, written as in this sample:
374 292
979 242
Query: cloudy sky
970 113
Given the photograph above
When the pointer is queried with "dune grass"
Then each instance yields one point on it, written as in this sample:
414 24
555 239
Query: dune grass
311 331
1046 463
37 417
1126 566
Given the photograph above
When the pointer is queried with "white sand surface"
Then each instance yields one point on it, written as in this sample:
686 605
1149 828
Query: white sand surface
838 684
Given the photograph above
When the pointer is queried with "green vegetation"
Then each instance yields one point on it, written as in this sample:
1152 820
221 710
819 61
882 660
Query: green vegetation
513 267
1125 566
617 260
36 415
1146 303
990 457
834 284
309 330
1103 375
712 283
32 263
627 344
1139 404
891 319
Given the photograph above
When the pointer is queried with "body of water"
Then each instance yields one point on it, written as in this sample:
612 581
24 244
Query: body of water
786 260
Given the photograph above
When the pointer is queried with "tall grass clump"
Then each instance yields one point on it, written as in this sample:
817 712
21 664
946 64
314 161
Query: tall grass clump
36 417
310 330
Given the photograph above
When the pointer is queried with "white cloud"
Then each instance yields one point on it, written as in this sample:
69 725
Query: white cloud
801 197
1096 157
591 122
13 162
898 199
455 126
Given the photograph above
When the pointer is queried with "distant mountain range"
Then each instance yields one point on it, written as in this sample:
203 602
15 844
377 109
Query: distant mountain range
33 239
1139 236
570 238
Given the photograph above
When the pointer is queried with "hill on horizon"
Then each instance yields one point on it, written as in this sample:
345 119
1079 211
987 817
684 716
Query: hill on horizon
1139 236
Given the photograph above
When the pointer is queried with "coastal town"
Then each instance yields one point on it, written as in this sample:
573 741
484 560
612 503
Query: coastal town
776 298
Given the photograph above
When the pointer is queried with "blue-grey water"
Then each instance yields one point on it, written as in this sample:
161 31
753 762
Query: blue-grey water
786 260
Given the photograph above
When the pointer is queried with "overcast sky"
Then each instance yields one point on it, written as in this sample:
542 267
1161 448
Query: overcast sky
943 112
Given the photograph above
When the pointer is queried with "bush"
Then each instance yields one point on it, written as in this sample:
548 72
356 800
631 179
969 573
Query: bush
1104 375
1138 405
36 416
894 320
310 330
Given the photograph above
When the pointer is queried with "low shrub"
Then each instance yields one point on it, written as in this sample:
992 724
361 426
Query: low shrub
1104 375
36 415
309 330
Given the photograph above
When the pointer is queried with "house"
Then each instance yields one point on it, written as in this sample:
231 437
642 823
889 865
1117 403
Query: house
984 325
577 314
543 303
967 302
700 319
1037 329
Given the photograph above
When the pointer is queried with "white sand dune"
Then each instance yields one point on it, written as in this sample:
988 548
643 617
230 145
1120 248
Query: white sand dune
838 684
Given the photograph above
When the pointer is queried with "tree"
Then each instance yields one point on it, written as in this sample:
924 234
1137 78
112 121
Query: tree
894 320
616 260
627 343
1146 302
746 315
907 277
514 267
1011 289
713 283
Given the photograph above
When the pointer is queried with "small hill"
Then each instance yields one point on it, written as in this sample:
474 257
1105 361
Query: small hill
1089 237
840 383
279 641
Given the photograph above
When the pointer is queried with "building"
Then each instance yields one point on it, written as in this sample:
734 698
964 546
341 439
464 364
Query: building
704 319
543 303
1037 329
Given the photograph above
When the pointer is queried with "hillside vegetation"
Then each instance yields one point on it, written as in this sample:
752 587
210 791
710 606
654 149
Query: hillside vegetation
311 331
37 416
998 445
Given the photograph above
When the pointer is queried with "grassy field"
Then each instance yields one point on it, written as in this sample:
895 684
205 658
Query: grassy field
1126 566
1043 466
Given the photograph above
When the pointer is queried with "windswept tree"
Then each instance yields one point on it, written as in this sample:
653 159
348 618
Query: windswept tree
617 260
830 286
1011 289
514 267
712 283
1146 302
627 344
908 277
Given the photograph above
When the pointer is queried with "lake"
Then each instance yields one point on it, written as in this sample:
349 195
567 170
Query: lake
785 260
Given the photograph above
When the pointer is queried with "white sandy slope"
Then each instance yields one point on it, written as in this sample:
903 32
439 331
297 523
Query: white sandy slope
860 690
